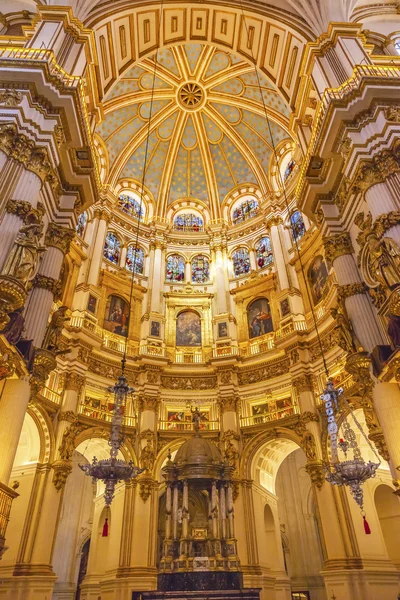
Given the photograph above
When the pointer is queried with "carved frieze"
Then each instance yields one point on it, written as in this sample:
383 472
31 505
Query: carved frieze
274 369
189 383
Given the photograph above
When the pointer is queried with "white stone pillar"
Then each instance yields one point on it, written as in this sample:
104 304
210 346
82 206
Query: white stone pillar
98 247
185 510
124 252
14 398
57 240
158 279
175 513
188 272
222 511
380 201
279 257
168 511
252 256
219 284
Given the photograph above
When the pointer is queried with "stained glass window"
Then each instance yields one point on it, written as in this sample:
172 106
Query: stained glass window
188 222
175 270
289 169
246 210
264 253
241 262
200 269
135 260
82 220
112 248
130 206
297 225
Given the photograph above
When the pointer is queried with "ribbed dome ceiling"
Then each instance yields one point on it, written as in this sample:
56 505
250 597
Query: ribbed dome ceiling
208 129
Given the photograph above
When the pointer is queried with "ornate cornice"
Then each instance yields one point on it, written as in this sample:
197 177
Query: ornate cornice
10 97
59 237
20 148
337 245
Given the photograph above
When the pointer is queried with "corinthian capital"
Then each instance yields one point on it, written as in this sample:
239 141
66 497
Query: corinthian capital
59 237
337 245
303 383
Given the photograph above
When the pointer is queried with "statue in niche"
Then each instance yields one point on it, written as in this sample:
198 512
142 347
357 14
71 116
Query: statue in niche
231 454
23 260
384 261
147 456
309 447
54 330
345 334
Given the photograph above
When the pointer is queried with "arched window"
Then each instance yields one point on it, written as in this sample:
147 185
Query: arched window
129 205
112 248
289 169
175 271
264 253
80 227
188 222
244 210
135 260
200 269
297 225
317 277
188 329
259 318
241 262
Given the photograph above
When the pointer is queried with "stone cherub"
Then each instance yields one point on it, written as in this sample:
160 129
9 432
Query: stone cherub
344 331
54 330
23 260
147 456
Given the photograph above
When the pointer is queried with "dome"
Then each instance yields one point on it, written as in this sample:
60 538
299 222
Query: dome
198 451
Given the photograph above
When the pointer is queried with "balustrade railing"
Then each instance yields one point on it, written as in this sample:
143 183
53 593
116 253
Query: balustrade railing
98 413
7 495
188 426
275 415
51 395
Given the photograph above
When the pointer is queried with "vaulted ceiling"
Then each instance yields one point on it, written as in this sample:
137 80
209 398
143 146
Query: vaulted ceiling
207 132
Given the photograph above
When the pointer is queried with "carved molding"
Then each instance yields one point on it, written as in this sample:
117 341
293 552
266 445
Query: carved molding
303 383
351 289
10 97
47 283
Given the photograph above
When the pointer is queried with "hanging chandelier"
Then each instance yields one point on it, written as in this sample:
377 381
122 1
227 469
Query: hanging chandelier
113 470
352 472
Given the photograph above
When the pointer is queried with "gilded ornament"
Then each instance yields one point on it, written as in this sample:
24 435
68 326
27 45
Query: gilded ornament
43 363
337 245
146 485
393 114
307 443
25 211
351 289
10 97
74 381
316 471
231 454
67 415
359 366
151 403
47 283
67 445
378 296
263 373
59 237
228 404
303 383
381 262
189 383
12 297
62 469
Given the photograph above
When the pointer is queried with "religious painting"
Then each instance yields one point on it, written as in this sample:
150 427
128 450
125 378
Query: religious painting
259 318
175 270
135 260
247 209
117 316
188 329
260 409
265 258
289 169
297 225
155 328
241 262
80 227
112 248
222 330
200 269
183 419
130 206
285 307
188 222
317 277
91 306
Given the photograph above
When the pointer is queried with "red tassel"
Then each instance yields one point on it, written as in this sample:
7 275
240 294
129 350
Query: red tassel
366 526
105 529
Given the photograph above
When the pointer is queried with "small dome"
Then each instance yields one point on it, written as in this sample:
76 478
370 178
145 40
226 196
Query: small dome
198 450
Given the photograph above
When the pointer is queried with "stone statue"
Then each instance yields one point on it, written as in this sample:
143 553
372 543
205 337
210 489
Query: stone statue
23 260
384 259
309 447
345 334
394 329
196 417
14 328
68 440
147 456
54 329
231 454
